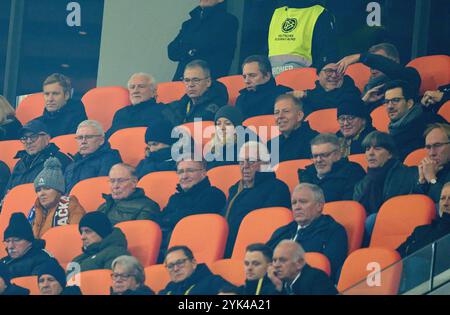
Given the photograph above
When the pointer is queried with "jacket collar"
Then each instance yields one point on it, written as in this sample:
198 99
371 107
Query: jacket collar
51 148
137 193
262 87
100 151
116 238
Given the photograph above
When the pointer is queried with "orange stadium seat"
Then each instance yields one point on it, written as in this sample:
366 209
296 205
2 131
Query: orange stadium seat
64 243
444 111
434 71
29 283
398 217
352 216
8 150
380 119
168 92
324 120
66 143
205 234
287 171
298 79
223 177
362 263
415 157
234 84
318 261
360 73
269 130
159 186
101 103
95 282
156 277
131 144
89 192
231 270
360 159
258 226
32 106
144 240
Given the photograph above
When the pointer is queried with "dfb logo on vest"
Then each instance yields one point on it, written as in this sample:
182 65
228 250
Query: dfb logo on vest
289 25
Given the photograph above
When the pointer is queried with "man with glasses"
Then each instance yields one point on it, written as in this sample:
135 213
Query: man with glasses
37 149
355 124
25 253
144 110
127 202
95 156
434 169
189 277
336 175
203 96
408 120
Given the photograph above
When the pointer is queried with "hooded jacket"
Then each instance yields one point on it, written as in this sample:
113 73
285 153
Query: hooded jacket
158 161
101 255
137 206
211 35
339 183
30 262
95 164
261 101
323 235
65 120
208 104
201 282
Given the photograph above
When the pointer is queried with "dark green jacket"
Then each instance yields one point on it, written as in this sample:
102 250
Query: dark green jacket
101 255
137 206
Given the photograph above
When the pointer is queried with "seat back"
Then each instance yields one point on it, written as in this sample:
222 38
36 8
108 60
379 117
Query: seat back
30 283
144 240
324 120
360 266
434 71
231 270
287 171
264 126
205 234
223 177
156 277
380 119
299 79
352 216
64 243
66 143
8 150
89 192
234 84
159 186
318 261
168 92
415 157
360 159
398 217
31 107
95 282
131 144
101 103
444 111
258 226
360 73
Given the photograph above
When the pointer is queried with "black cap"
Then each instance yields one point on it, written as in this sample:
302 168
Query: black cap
53 268
19 227
160 131
34 126
231 113
97 222
353 107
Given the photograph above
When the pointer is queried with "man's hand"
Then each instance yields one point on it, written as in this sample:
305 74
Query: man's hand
429 169
431 98
373 94
298 94
347 61
273 277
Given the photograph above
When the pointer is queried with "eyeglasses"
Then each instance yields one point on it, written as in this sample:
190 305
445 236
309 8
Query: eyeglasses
86 137
349 119
122 276
188 171
324 155
194 81
435 145
329 72
31 138
394 100
12 241
179 263
118 180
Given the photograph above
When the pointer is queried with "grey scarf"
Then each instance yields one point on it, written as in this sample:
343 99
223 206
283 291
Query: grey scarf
399 125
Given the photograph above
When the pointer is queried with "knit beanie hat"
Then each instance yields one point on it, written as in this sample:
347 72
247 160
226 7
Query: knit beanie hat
231 113
353 107
97 222
160 131
51 176
19 227
5 274
54 269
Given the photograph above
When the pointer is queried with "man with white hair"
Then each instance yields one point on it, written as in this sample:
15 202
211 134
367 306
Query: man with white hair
143 110
258 188
95 156
292 276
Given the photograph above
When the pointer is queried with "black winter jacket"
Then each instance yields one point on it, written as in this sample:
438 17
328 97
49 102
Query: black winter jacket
251 287
312 281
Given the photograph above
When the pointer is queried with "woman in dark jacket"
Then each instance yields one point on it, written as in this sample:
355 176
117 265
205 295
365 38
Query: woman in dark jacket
9 125
128 277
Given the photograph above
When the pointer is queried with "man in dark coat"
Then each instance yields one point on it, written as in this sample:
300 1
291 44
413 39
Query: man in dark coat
25 253
127 202
35 138
313 230
61 114
293 143
8 288
143 110
210 34
258 188
408 120
95 156
292 276
52 280
261 90
336 175
203 96
187 276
